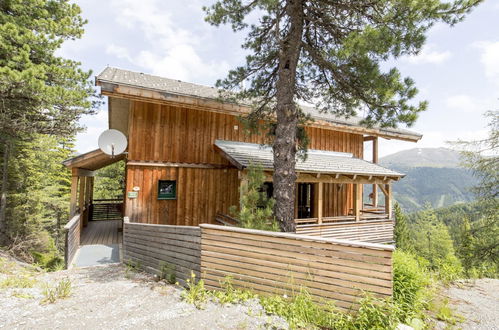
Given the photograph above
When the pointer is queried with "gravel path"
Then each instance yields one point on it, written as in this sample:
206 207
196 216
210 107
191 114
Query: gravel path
478 302
109 297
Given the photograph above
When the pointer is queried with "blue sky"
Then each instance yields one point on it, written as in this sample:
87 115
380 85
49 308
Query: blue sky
457 71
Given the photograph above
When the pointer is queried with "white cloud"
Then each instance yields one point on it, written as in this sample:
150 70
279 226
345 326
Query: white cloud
429 55
171 50
463 103
431 139
489 58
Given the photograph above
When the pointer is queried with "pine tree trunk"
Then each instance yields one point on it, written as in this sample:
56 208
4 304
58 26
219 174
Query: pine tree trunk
284 146
3 196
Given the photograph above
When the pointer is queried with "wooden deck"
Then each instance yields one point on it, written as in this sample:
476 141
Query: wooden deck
103 232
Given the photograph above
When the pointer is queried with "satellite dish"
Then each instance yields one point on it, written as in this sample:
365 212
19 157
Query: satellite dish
112 142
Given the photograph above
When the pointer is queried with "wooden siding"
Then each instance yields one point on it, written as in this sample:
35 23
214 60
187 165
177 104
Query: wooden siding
280 263
183 136
153 246
201 194
337 199
373 231
72 237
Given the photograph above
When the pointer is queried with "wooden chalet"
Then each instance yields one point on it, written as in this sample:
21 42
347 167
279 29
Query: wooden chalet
188 156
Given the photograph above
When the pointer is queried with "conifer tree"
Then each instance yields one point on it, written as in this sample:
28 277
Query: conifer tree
401 230
327 53
41 92
256 209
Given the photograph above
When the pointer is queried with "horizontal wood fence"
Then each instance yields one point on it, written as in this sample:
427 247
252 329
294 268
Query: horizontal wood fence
155 246
282 263
372 231
72 239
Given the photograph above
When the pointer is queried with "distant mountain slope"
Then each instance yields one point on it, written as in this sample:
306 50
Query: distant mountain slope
432 176
423 157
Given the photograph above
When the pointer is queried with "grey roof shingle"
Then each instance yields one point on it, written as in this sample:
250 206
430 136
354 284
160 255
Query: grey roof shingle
318 161
146 81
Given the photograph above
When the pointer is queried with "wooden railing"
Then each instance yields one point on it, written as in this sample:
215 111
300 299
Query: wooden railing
371 230
106 209
72 239
226 220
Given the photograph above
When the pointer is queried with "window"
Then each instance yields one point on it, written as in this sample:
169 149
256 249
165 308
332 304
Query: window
167 189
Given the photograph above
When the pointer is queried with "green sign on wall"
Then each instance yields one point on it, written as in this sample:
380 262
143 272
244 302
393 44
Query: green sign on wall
167 189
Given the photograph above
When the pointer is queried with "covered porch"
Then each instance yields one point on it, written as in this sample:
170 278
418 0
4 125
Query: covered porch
336 194
94 234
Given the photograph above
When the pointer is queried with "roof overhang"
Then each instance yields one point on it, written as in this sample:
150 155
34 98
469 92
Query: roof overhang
319 166
135 89
92 160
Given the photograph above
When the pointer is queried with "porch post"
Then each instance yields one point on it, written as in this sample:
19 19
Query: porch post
388 200
88 185
319 202
74 194
81 199
357 200
375 161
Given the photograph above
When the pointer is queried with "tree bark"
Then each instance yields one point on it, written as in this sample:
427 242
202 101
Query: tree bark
3 196
284 146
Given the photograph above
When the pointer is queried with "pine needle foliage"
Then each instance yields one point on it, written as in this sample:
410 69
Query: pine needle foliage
256 209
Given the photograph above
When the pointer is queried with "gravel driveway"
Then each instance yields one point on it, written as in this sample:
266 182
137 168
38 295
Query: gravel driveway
110 297
478 302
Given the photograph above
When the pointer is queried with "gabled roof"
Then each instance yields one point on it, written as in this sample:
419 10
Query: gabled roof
169 89
92 160
242 155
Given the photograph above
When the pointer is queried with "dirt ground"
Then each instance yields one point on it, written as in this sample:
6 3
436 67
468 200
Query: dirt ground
110 297
114 297
477 301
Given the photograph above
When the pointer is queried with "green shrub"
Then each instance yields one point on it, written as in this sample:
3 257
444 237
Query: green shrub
301 312
167 272
409 284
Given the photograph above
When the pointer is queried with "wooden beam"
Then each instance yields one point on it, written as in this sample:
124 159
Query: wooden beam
82 172
375 161
369 138
388 201
177 165
385 192
320 196
357 202
88 186
337 178
74 196
81 198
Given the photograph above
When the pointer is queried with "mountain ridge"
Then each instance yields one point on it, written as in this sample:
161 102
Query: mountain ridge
423 157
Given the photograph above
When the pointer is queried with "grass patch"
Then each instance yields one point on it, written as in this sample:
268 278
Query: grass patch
441 310
22 295
61 291
19 281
